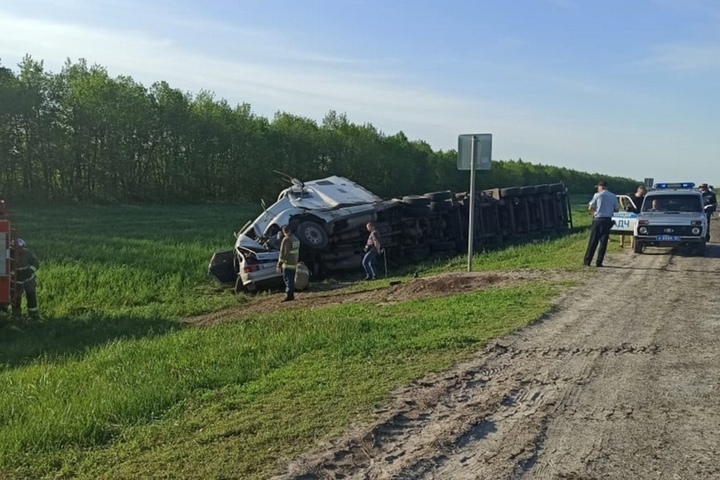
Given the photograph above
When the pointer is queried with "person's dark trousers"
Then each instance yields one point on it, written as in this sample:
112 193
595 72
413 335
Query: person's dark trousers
709 216
29 288
368 264
599 235
289 279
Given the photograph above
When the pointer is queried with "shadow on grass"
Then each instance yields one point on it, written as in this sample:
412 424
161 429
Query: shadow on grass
24 340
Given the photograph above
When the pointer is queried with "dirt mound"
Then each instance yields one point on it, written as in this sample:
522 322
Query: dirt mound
379 292
453 283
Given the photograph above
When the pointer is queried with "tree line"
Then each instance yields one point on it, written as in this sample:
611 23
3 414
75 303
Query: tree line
80 135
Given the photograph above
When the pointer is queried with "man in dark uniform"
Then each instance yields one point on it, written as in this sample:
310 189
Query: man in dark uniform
27 265
288 261
602 208
710 203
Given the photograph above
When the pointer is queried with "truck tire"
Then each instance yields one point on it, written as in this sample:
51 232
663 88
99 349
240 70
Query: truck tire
312 235
510 192
700 249
416 200
441 206
444 246
439 196
414 211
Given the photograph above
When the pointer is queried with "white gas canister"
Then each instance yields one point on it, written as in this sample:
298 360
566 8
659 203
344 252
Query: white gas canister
302 277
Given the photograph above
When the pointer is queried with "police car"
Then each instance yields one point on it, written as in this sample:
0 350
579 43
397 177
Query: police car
625 218
672 215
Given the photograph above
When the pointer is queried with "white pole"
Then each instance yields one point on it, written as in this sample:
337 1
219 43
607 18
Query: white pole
471 221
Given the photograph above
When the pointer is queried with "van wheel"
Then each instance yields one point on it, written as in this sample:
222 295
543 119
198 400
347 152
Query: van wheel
312 235
638 248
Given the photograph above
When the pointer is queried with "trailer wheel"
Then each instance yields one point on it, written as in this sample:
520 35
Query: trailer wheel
312 235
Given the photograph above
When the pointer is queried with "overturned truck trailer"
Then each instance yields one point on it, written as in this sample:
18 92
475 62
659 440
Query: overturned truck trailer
329 217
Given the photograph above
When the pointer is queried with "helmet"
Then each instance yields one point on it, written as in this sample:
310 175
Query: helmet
20 243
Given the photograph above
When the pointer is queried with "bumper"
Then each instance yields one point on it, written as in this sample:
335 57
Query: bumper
653 240
260 280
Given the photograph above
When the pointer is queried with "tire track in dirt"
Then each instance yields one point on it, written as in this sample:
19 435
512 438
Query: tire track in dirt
621 381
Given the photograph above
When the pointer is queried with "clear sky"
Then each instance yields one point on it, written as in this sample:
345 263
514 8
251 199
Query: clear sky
622 87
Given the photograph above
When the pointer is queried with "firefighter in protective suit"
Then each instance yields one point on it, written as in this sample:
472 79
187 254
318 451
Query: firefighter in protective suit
27 265
288 261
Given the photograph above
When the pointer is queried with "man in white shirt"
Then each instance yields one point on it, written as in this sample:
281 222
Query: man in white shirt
601 207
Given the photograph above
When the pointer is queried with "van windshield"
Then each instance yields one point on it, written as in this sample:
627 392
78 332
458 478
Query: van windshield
672 203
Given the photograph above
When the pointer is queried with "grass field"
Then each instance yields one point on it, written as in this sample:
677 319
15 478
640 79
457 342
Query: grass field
110 385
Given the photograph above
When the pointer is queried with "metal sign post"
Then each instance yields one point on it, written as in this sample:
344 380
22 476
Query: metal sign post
474 153
471 221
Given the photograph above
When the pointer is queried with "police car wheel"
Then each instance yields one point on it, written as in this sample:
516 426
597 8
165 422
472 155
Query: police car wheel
638 248
239 288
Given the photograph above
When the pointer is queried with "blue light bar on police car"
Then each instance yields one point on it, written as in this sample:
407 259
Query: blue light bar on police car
667 186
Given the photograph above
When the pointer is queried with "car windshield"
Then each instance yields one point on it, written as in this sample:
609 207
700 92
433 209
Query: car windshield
672 203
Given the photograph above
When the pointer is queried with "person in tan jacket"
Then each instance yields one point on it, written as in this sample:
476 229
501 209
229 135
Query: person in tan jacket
288 261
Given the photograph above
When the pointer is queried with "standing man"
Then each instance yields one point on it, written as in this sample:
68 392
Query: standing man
601 207
288 261
710 205
373 247
27 265
637 198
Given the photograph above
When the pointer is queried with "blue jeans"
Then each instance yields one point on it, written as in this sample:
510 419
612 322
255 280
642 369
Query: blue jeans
289 279
368 263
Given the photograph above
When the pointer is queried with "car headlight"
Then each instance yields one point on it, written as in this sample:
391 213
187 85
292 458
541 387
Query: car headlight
642 230
695 231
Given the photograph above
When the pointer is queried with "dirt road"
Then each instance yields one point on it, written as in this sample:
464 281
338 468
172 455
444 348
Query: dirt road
621 381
